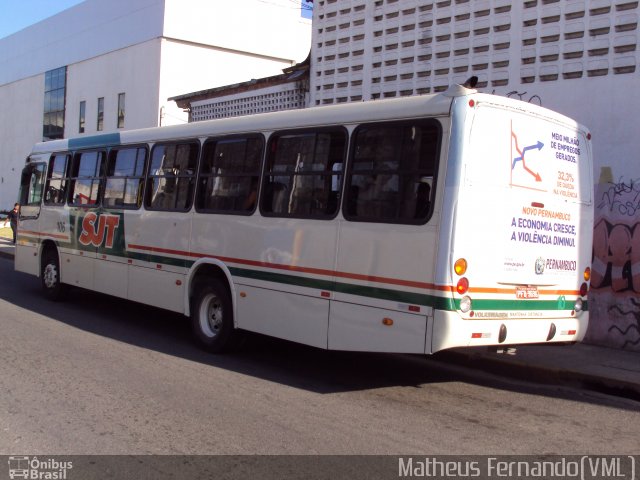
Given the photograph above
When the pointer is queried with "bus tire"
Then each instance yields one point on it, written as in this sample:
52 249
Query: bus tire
212 316
52 288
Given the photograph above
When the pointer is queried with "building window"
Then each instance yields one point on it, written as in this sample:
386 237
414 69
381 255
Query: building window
121 110
100 125
82 118
55 87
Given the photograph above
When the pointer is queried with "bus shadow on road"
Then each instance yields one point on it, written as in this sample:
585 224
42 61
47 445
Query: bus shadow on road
295 365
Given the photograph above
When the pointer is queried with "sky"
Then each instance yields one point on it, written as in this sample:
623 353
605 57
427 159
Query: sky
19 14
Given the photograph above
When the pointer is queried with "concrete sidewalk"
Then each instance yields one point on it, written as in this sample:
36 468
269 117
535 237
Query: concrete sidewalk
608 370
7 248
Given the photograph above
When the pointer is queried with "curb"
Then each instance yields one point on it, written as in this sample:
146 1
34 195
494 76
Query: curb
510 367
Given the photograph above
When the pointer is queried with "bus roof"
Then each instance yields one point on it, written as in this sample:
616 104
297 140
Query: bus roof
432 105
378 110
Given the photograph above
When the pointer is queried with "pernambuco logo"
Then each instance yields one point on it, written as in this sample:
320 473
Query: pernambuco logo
540 262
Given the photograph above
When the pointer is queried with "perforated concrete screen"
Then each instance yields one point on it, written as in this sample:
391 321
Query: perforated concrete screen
364 50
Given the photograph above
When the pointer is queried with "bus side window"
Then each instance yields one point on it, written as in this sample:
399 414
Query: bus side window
86 178
56 186
303 175
392 172
31 187
172 176
229 175
422 197
125 173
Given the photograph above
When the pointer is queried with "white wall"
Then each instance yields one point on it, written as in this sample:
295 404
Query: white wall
191 68
211 43
271 28
89 29
77 38
134 71
21 119
148 49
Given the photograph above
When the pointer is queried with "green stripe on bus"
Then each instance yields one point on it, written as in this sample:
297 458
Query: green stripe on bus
441 303
347 288
282 278
504 304
487 304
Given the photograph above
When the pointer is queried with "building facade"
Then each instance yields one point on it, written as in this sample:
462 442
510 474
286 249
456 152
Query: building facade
287 91
103 66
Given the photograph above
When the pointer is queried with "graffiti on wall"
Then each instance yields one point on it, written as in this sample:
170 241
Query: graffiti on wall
616 256
622 197
524 96
615 267
632 328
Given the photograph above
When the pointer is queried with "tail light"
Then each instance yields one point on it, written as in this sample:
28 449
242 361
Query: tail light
460 267
584 288
462 286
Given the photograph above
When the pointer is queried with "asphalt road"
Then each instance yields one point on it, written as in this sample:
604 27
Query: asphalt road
98 375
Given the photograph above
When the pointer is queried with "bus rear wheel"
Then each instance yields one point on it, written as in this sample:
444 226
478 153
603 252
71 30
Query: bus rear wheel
52 288
212 316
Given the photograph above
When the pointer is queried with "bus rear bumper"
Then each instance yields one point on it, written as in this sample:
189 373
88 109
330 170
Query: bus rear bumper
450 330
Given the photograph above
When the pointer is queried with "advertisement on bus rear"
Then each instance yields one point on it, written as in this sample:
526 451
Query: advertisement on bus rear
525 192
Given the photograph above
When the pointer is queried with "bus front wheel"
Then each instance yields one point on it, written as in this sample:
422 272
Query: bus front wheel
50 275
212 316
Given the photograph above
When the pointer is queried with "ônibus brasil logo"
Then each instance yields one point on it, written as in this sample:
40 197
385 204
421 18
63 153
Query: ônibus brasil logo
40 469
97 230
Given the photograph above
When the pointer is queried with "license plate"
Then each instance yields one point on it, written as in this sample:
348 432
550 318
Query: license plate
525 293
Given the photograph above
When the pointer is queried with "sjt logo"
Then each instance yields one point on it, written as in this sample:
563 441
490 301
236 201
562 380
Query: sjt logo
96 230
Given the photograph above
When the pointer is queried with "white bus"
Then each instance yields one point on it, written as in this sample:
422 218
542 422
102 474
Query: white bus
413 224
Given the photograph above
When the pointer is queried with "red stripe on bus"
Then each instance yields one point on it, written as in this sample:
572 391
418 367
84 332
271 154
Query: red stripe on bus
43 234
